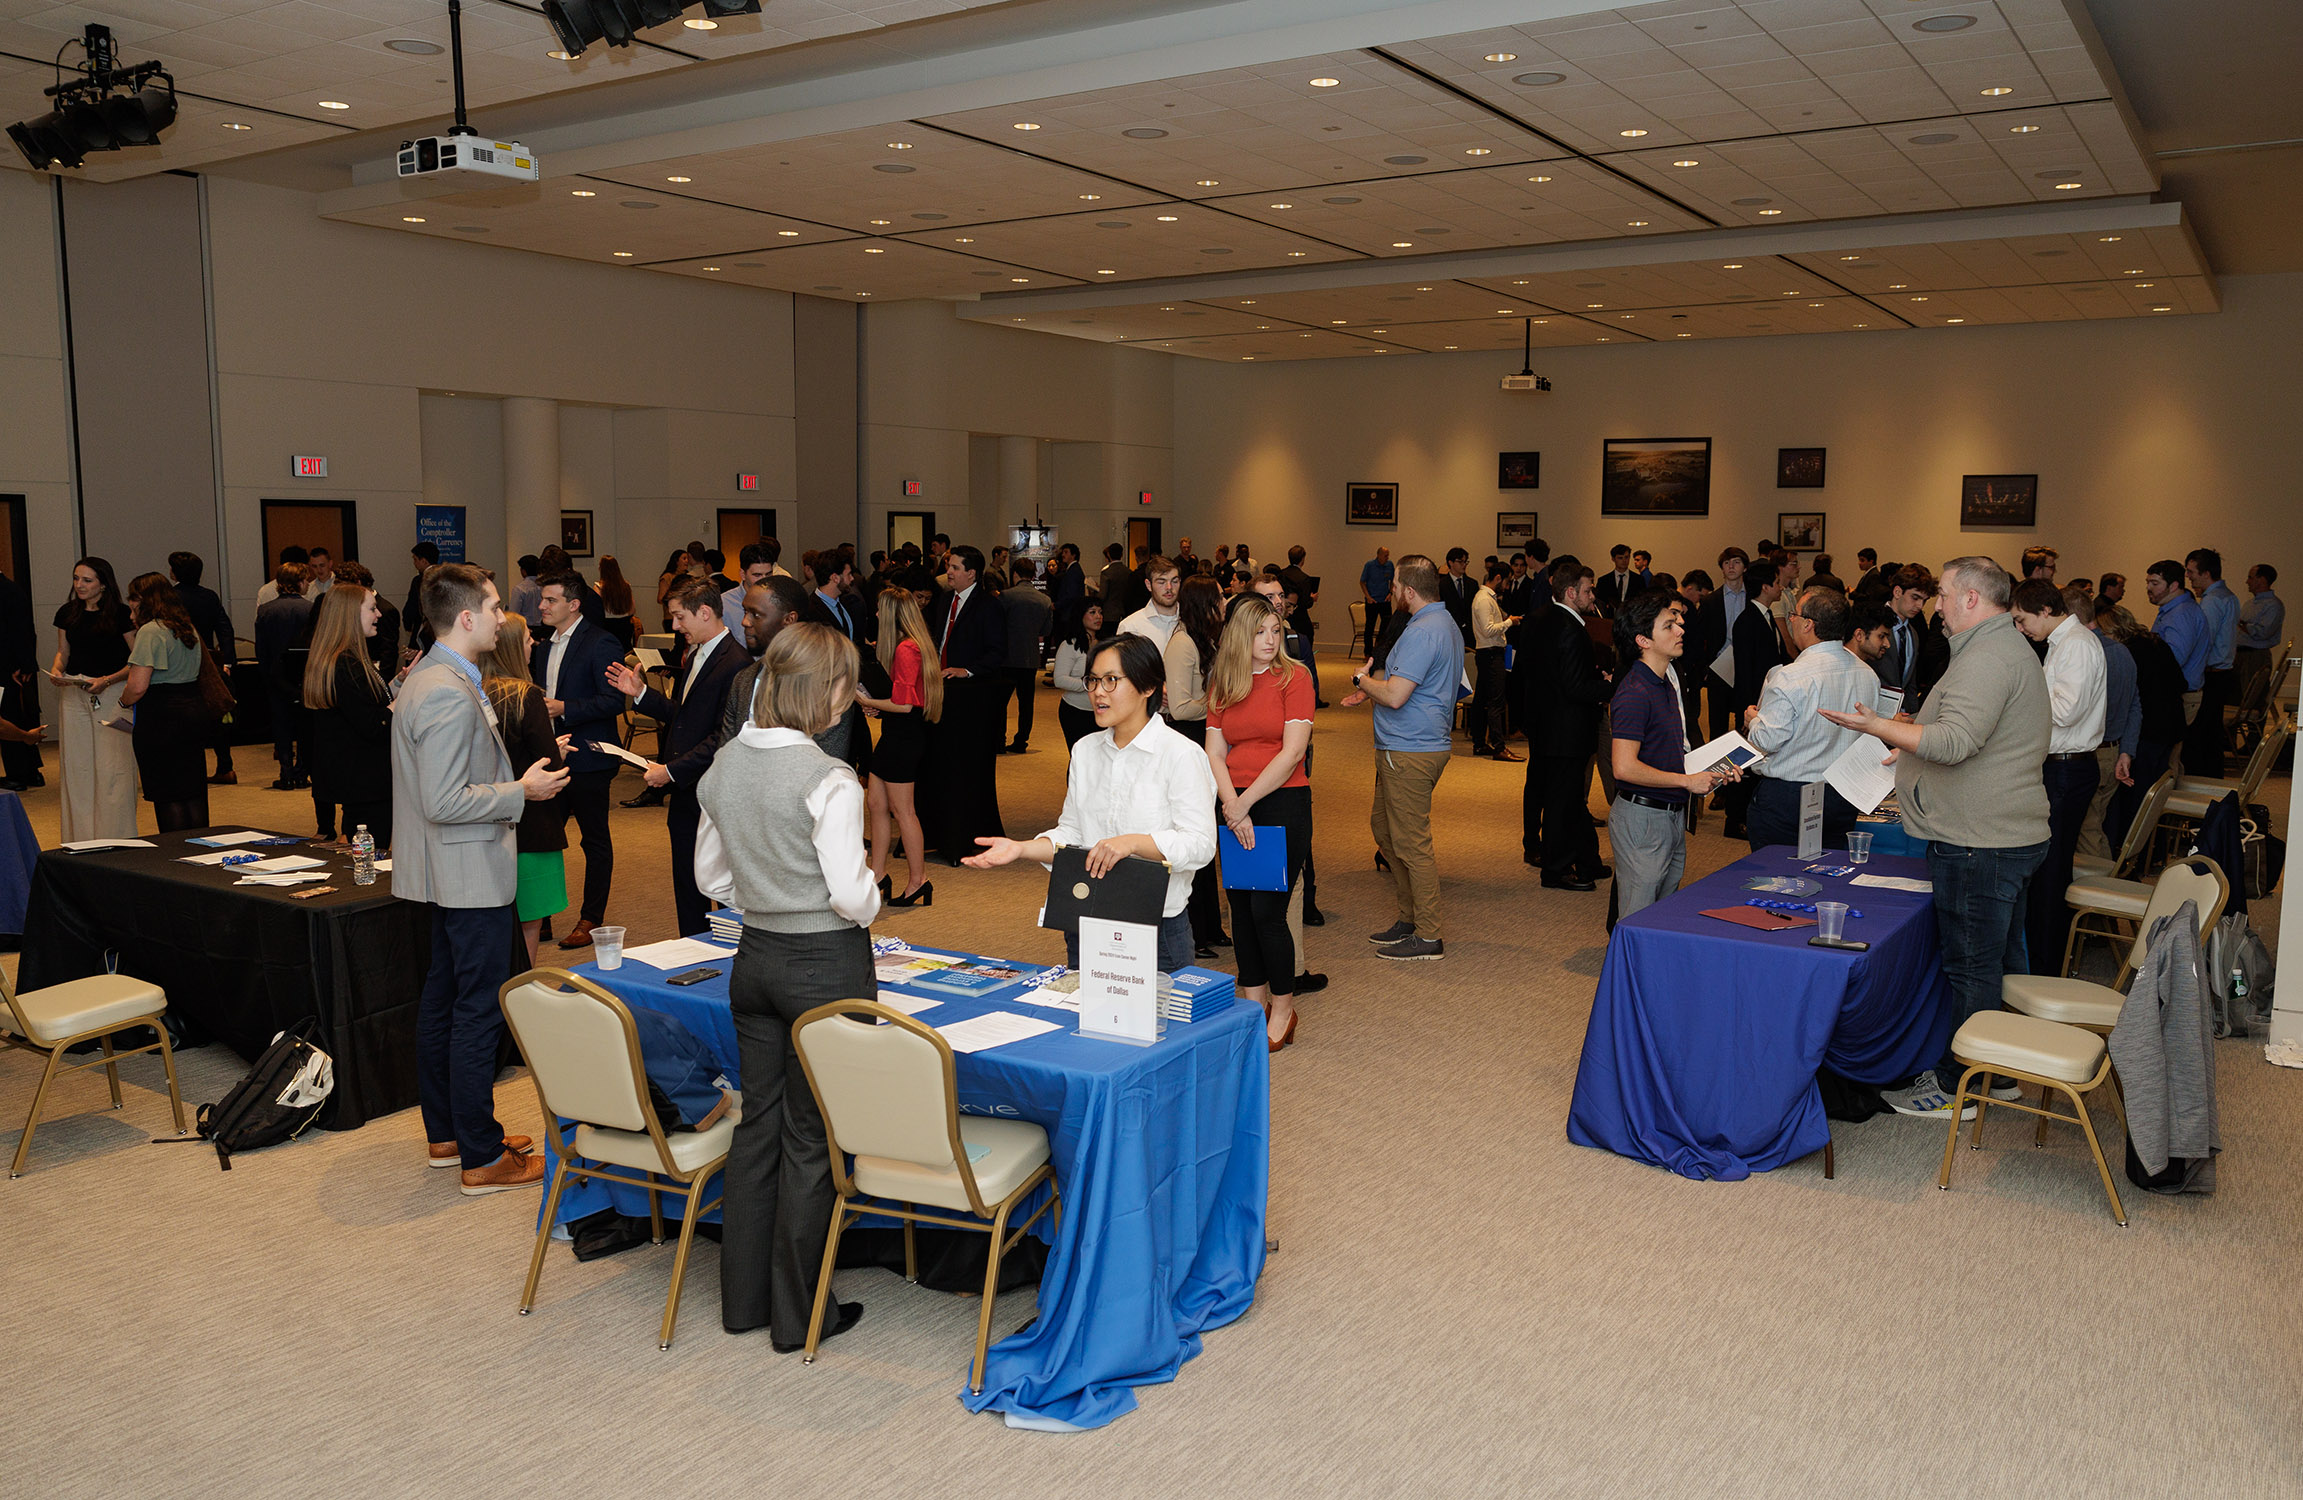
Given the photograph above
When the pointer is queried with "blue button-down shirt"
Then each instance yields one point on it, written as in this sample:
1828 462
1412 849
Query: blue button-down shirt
1429 653
2122 704
2221 607
1375 579
2261 619
2182 625
463 664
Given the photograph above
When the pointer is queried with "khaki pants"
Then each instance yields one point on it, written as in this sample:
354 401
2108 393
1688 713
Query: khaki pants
1401 821
2091 839
98 765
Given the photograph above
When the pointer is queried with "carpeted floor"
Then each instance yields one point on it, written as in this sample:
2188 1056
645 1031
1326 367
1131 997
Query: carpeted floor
1462 1303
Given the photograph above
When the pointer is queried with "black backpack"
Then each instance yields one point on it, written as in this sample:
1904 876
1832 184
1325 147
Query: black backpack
279 1099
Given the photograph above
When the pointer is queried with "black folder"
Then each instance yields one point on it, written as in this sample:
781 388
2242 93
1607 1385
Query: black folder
1135 890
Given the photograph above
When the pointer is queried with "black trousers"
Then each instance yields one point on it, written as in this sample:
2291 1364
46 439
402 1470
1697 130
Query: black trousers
1570 842
378 817
1023 682
1378 620
2149 765
287 730
963 766
22 762
1488 721
586 800
1773 816
1206 905
1531 809
683 815
459 1026
2047 915
778 1179
1262 947
2203 746
1078 723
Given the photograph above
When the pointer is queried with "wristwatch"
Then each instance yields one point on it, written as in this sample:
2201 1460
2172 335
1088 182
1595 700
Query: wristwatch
1355 677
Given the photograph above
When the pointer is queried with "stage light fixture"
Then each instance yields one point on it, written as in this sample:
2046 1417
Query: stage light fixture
579 23
107 108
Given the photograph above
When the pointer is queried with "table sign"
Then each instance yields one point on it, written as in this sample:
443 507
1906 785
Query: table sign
1811 819
1119 981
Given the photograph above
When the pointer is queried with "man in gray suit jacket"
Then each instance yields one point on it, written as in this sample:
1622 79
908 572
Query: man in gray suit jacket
454 849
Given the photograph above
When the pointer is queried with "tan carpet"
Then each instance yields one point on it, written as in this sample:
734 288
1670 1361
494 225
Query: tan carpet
1462 1304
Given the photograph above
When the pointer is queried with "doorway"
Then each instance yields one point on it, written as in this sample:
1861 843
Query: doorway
740 528
333 524
910 526
12 546
1143 539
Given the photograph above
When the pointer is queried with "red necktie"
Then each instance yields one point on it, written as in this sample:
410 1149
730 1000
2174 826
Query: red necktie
950 620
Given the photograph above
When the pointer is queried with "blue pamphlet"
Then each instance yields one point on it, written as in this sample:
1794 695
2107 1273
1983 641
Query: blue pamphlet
1263 868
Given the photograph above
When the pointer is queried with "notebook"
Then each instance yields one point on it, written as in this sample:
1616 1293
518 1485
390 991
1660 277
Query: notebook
1135 890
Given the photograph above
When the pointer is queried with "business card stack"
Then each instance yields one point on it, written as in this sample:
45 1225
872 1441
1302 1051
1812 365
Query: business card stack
1194 994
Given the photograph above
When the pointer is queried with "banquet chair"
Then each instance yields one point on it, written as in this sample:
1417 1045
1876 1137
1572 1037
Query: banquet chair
889 1095
2129 856
2095 1007
584 1054
1360 644
2106 897
53 1020
2071 1060
2193 795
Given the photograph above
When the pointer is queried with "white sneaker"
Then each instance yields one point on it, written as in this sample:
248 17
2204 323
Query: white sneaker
1925 1099
2005 1088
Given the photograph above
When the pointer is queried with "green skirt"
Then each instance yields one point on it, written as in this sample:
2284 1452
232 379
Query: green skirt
543 885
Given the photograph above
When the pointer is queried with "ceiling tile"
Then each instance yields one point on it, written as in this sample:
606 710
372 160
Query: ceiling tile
1760 281
1389 305
1159 239
1276 346
1507 334
885 270
549 218
1150 322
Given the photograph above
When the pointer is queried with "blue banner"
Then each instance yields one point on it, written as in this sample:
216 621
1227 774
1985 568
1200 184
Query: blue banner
443 527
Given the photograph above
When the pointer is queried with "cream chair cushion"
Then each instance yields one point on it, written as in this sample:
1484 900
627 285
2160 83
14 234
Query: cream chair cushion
97 1003
2027 1044
2075 1002
2121 898
1014 1150
2194 805
2092 864
633 1148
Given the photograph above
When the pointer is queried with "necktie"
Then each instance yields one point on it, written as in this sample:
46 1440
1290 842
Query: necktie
949 621
1903 654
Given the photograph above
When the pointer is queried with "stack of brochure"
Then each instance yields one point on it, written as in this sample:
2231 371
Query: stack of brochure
727 924
976 979
1194 994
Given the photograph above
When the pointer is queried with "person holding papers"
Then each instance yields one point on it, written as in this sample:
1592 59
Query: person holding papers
1259 715
1786 724
780 837
1647 823
1136 789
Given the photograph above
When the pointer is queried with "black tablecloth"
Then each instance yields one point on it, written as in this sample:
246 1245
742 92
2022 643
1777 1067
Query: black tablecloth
240 963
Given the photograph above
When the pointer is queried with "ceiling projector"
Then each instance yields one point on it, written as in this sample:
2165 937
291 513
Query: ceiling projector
468 153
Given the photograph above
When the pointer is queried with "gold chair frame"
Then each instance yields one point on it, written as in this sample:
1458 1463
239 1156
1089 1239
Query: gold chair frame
1984 1103
845 1209
689 1185
22 1039
2095 922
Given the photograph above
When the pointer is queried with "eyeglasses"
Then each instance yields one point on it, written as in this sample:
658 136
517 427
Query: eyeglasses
1107 683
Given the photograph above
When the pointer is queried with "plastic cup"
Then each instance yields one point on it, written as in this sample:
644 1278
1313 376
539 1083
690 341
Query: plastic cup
1830 916
1858 848
608 946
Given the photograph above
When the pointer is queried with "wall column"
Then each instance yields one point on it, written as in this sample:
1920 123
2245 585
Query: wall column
531 480
1019 484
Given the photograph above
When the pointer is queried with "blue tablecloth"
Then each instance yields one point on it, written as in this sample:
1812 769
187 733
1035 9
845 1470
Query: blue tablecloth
19 852
1705 1037
1163 1155
1888 837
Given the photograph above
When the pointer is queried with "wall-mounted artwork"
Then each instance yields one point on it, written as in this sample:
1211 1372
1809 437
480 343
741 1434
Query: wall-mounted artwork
1655 477
576 533
1999 500
1799 530
1367 504
1799 468
1514 530
1519 471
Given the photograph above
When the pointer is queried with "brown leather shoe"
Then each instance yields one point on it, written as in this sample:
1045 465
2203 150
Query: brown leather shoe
445 1154
579 936
514 1169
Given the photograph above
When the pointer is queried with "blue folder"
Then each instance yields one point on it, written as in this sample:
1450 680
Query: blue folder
1263 868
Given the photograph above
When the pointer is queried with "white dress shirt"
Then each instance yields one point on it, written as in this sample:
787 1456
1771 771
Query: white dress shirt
1488 621
1161 784
1800 744
552 658
1153 626
2075 688
837 805
696 660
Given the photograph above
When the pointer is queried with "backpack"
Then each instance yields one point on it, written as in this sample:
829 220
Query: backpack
281 1096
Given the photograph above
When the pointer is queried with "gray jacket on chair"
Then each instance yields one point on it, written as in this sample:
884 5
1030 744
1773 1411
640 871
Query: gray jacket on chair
2164 1049
456 795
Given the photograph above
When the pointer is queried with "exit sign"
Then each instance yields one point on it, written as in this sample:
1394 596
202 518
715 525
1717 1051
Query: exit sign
911 489
747 481
310 466
1144 497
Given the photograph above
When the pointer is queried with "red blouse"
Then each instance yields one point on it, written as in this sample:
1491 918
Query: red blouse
905 673
1252 728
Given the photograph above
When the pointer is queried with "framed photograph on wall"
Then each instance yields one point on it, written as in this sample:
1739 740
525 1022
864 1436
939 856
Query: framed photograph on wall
576 533
1655 477
1799 530
1999 500
1519 471
1369 504
1799 468
1514 530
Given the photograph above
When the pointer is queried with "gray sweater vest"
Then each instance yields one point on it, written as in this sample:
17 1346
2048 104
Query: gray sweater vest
757 799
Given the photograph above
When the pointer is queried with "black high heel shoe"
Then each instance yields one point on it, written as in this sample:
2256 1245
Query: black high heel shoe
924 896
886 890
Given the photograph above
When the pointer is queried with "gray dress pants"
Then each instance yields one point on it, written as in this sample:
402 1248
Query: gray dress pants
778 1180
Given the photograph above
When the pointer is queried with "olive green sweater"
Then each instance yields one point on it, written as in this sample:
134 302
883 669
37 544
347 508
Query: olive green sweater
1975 779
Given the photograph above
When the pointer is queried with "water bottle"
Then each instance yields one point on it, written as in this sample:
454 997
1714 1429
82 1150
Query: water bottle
2238 982
363 857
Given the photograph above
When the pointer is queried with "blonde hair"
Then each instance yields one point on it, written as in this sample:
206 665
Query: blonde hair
336 633
1233 676
506 669
901 620
807 680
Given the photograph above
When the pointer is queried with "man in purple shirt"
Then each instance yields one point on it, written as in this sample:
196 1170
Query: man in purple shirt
1647 823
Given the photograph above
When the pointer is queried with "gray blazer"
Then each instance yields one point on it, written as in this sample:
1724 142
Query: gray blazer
455 793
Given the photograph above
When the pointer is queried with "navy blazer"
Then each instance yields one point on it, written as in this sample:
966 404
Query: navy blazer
1758 651
979 638
592 707
1564 687
693 718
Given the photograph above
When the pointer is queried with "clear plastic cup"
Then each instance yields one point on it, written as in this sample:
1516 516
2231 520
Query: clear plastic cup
608 946
1858 848
1830 917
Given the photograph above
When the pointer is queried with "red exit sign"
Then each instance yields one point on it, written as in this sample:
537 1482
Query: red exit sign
1144 497
747 481
911 489
310 466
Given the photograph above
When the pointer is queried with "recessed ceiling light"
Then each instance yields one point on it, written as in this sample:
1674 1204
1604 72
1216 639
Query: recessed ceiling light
1539 322
2065 187
1503 57
965 239
1283 205
1683 335
1635 223
1994 93
863 294
1863 325
2022 130
874 250
236 125
1403 244
1247 302
1209 182
1144 133
1521 282
1167 218
1297 253
1897 286
1539 80
1943 23
1687 161
1448 346
414 48
558 56
2145 285
788 234
1107 273
1603 338
1539 179
1769 213
679 179
899 145
711 268
2107 239
1814 304
2163 309
2131 273
1019 280
623 255
1090 197
1479 151
1503 310
1733 265
883 221
1791 294
1627 317
1337 322
1954 320
1167 309
582 193
1325 83
1851 257
701 23
334 104
1026 125
1631 133
1587 304
1919 299
410 219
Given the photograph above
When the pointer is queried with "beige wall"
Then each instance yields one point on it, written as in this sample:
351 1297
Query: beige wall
2149 438
35 455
